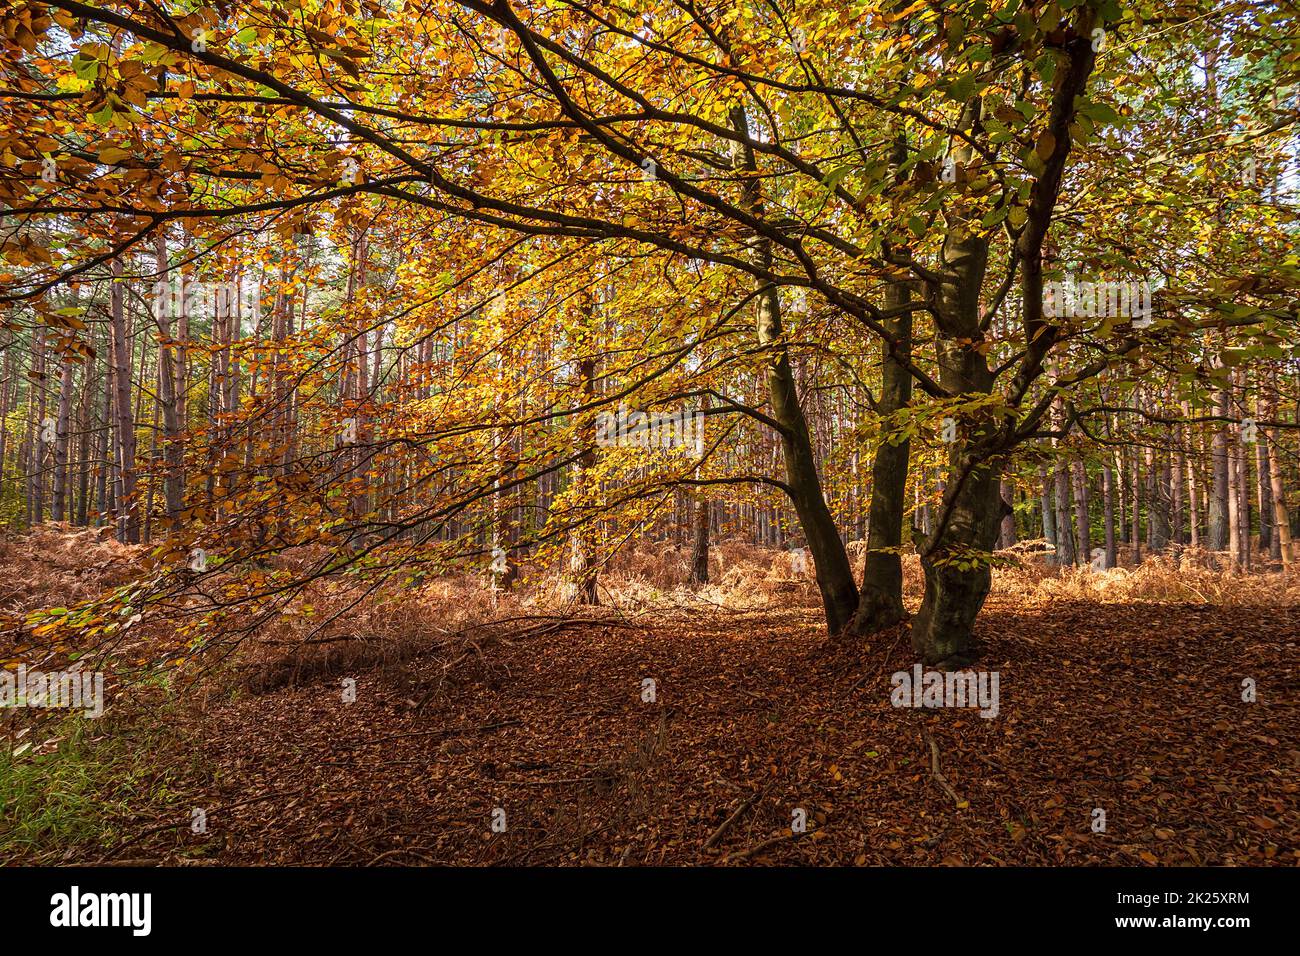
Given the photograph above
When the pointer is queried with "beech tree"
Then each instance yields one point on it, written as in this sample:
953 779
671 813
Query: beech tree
472 243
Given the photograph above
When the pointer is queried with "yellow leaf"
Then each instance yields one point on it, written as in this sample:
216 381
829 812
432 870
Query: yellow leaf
1046 145
112 155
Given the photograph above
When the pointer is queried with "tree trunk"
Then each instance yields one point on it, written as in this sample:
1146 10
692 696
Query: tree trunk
830 560
956 557
59 499
1193 509
1217 539
1082 518
1047 507
582 564
1158 501
169 387
1264 496
1007 530
881 602
1135 486
1108 499
1065 552
700 545
1176 475
1234 507
128 518
1281 517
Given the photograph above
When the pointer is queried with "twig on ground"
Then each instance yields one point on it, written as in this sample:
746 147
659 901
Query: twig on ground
935 770
759 848
740 810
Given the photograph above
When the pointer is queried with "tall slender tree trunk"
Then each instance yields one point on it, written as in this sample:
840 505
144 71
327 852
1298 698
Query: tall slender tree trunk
582 560
1065 551
1193 489
1175 482
1235 543
62 440
1108 503
1135 489
128 523
39 452
700 523
1047 506
1157 501
1264 496
1282 545
1082 517
169 387
839 592
1217 539
881 602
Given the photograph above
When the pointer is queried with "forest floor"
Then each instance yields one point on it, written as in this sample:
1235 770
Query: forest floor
1131 707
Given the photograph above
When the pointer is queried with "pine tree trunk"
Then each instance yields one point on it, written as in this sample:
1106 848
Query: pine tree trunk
62 439
1217 539
169 387
128 518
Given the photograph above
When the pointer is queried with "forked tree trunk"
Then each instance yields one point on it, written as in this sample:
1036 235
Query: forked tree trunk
957 572
956 556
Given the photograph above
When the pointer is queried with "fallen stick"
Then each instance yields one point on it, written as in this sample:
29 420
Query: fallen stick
936 772
726 824
765 845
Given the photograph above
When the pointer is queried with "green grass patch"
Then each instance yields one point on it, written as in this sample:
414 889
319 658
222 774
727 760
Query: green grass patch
72 803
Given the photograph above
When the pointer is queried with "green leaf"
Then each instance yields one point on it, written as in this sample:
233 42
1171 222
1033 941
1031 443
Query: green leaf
832 179
1100 112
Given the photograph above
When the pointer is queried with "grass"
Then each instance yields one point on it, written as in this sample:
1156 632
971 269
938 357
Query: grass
69 802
